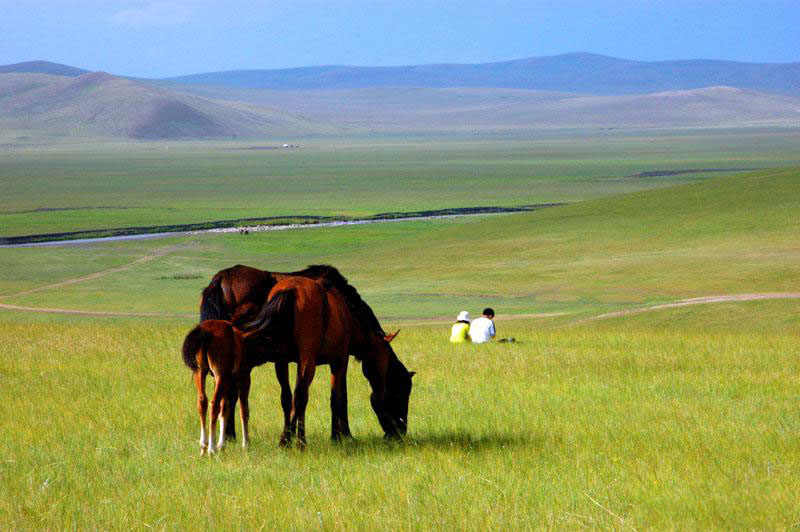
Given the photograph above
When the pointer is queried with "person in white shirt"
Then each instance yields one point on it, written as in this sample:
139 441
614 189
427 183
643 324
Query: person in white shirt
481 330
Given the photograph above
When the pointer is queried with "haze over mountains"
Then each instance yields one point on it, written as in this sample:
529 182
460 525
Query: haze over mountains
566 91
577 72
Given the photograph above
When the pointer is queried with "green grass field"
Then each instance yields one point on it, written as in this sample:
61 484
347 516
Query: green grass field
71 187
682 418
570 429
719 236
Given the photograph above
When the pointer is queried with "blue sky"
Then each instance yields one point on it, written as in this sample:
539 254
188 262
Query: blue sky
158 38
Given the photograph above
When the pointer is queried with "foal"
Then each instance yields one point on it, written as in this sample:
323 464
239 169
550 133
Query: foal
218 347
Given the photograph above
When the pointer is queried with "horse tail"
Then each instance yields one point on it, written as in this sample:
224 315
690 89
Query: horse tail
197 339
359 307
276 316
212 303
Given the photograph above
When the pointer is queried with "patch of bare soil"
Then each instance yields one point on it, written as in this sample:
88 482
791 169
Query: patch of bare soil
696 301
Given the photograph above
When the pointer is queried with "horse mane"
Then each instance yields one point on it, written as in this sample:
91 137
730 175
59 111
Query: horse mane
196 340
276 316
328 274
212 305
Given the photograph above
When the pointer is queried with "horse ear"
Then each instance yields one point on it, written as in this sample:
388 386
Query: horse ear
390 337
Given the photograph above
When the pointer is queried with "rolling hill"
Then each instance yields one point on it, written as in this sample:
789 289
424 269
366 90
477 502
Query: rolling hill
42 67
43 98
100 104
423 109
576 72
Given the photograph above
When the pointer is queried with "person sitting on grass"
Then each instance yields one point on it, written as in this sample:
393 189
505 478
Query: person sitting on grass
459 334
481 330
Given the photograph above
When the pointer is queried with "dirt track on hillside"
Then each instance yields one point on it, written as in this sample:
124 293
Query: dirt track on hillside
401 321
696 301
94 312
96 275
170 249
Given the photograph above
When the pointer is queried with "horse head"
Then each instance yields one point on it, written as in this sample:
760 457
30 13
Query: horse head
392 407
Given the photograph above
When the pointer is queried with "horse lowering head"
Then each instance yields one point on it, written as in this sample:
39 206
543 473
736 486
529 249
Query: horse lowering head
392 408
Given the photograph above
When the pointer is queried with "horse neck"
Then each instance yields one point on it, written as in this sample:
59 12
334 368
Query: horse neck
377 362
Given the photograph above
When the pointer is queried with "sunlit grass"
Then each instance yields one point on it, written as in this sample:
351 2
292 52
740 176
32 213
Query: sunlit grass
727 235
661 429
683 418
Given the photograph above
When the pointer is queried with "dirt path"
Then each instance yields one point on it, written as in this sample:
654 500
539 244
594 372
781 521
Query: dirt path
429 321
696 301
94 312
96 275
433 321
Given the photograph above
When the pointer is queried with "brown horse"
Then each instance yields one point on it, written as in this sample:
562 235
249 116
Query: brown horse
309 322
218 347
239 293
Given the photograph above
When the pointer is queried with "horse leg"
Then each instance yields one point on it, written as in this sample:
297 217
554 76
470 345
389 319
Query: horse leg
282 373
340 427
202 407
305 374
216 410
244 405
230 410
225 414
343 417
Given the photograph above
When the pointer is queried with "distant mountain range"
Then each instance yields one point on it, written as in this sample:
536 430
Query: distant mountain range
577 73
566 91
581 72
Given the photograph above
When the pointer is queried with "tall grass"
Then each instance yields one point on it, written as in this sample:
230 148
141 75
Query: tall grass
566 429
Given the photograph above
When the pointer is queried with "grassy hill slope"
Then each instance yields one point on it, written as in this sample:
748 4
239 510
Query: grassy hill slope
419 109
99 104
43 67
729 235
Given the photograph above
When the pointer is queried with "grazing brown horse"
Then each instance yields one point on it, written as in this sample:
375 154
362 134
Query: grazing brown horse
309 322
218 347
239 293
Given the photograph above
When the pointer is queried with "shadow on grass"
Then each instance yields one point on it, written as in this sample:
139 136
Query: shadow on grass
446 440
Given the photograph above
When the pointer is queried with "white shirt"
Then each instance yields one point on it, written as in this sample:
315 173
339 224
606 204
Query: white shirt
481 330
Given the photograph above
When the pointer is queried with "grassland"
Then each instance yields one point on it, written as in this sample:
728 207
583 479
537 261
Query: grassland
71 187
683 418
725 235
601 429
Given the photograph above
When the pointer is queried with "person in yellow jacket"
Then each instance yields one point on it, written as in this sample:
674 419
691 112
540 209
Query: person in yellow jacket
460 332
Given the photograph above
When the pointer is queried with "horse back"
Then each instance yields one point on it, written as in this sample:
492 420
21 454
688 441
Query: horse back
236 293
321 321
224 351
